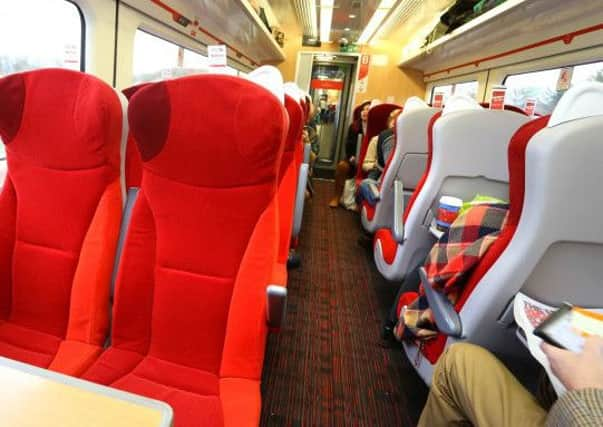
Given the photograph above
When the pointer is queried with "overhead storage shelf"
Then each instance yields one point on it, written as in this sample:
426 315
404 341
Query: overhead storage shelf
272 51
241 29
515 28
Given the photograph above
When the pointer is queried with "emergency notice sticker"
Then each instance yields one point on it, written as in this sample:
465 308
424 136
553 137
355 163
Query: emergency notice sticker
497 98
438 100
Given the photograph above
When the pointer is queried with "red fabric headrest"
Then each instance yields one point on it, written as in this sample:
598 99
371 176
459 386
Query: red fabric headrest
130 91
209 130
377 119
61 119
295 112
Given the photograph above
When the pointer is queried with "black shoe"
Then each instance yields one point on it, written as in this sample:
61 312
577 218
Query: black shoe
293 261
365 241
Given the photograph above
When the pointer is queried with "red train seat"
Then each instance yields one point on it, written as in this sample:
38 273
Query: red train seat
60 212
288 176
189 317
376 122
133 162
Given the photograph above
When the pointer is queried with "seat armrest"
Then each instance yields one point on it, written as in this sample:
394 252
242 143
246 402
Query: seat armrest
358 146
374 189
398 223
300 197
447 319
307 151
276 306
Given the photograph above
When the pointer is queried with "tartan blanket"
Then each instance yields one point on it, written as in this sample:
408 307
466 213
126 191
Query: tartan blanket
447 266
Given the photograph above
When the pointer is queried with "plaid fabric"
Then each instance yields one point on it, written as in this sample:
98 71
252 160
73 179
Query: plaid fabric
461 248
447 265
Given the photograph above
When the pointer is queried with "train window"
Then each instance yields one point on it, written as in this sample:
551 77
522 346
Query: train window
446 90
542 85
588 72
464 88
467 88
538 85
60 45
157 59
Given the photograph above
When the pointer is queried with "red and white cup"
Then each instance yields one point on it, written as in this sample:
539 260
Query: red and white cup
448 211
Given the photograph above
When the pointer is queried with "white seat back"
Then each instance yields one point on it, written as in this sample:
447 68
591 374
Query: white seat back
407 163
556 252
469 156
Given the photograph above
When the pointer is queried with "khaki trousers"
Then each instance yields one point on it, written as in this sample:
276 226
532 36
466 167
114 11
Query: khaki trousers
471 387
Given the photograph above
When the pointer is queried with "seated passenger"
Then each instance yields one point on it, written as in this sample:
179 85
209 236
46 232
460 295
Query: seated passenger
377 154
471 386
346 168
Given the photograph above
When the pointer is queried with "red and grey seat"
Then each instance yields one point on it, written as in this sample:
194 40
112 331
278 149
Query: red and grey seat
302 160
376 123
393 257
60 213
288 178
551 246
189 317
404 167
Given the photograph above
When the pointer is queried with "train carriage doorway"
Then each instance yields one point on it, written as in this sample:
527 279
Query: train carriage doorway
330 81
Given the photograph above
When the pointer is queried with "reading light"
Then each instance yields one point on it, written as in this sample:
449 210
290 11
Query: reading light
326 17
351 16
380 13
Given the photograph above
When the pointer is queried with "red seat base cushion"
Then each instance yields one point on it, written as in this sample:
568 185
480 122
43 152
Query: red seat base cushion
193 394
389 246
27 345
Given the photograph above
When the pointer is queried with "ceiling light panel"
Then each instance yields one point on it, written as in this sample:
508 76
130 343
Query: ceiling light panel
326 19
306 12
382 11
404 10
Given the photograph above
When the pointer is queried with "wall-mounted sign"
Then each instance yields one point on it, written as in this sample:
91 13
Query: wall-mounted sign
216 55
530 106
362 84
497 98
438 100
565 78
326 84
71 56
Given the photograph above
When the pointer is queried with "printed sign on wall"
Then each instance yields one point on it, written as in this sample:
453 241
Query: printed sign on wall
565 78
363 74
71 56
438 100
530 106
217 55
497 98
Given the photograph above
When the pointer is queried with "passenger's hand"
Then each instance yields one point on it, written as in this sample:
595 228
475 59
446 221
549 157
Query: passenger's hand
352 159
578 370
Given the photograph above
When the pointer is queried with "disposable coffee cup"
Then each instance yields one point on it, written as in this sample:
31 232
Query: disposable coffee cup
448 211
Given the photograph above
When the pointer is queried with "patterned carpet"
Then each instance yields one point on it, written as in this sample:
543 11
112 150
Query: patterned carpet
326 367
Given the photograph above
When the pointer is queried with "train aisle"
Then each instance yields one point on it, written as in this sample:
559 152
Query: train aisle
327 367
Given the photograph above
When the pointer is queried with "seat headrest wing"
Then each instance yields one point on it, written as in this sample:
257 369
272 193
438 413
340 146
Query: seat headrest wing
584 100
459 103
130 91
295 112
270 78
294 91
61 119
414 103
209 130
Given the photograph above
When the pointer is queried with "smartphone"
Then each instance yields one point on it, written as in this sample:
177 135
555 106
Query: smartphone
558 329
